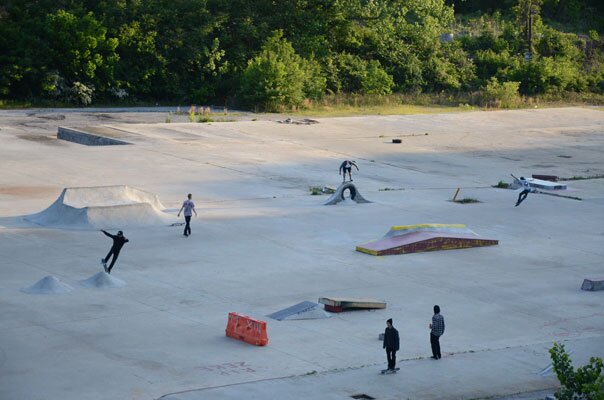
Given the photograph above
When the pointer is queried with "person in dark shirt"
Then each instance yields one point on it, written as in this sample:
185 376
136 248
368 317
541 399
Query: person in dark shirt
118 242
437 329
391 344
346 166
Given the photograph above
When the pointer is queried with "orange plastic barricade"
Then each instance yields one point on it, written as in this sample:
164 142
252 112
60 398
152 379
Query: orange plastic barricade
249 330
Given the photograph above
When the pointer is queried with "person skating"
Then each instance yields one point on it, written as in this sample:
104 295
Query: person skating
391 344
437 329
118 242
346 166
526 189
189 208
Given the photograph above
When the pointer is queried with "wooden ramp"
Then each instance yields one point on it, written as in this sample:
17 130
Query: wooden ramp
339 304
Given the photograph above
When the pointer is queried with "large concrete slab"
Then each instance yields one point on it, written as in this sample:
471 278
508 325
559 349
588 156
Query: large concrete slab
262 243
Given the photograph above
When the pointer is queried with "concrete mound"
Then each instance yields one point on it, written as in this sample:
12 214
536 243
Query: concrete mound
303 310
103 207
103 280
338 196
424 237
48 285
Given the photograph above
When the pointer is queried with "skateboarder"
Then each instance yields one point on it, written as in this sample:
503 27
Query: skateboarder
437 328
118 242
526 189
346 166
391 344
189 208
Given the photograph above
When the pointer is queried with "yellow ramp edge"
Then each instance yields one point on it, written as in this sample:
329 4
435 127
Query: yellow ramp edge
406 227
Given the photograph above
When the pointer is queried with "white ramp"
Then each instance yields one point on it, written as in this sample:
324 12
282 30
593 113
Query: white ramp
303 310
103 280
103 207
48 285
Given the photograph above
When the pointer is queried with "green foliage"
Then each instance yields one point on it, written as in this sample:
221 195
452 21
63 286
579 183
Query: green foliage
586 382
500 94
226 51
279 77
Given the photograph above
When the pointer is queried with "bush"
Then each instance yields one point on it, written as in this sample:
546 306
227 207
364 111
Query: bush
278 77
500 95
587 383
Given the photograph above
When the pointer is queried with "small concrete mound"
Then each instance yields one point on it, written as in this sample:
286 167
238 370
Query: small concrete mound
303 310
103 280
338 196
48 285
103 207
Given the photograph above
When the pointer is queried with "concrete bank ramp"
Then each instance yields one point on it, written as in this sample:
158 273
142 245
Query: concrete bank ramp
424 237
48 285
103 207
303 310
338 196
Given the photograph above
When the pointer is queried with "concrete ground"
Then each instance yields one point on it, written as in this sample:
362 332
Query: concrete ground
262 243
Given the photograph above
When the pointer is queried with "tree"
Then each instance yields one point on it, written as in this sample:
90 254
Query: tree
586 383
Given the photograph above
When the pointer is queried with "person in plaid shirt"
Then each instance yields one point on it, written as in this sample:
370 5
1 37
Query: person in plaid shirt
437 328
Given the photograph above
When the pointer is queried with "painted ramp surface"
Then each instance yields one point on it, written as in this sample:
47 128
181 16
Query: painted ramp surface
103 207
425 237
303 310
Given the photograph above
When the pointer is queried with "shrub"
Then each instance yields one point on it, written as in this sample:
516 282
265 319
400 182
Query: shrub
587 383
500 95
278 77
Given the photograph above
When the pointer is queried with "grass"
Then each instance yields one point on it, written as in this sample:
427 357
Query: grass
502 185
467 200
400 109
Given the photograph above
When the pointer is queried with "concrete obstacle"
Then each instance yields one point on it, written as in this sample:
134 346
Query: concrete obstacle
339 304
103 280
539 184
103 207
249 330
48 285
87 138
303 310
338 196
593 285
424 237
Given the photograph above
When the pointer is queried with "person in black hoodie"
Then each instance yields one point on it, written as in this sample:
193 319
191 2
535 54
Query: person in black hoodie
391 344
118 242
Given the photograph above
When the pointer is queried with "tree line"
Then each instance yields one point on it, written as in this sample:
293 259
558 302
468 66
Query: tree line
274 54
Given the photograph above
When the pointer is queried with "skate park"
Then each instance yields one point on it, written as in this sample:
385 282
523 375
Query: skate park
262 243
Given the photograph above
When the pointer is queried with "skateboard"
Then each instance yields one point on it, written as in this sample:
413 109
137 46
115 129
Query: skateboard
389 371
104 265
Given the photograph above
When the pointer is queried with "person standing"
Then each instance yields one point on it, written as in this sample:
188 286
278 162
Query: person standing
118 242
346 166
189 208
437 329
526 189
391 344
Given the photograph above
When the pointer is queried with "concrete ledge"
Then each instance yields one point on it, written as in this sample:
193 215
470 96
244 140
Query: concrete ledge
593 284
85 138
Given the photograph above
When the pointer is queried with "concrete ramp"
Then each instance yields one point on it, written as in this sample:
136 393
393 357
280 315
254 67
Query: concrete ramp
338 196
303 310
103 207
424 237
102 280
48 285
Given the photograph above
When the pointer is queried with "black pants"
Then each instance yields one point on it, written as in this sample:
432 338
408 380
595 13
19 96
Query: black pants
349 170
115 254
434 342
391 357
522 196
187 225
